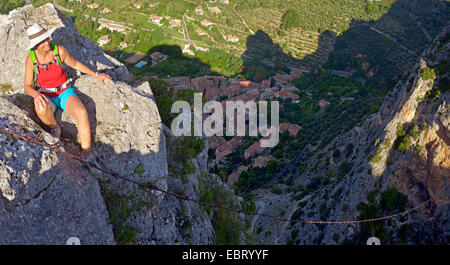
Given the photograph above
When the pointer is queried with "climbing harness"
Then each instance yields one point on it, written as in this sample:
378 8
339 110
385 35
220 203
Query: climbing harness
37 66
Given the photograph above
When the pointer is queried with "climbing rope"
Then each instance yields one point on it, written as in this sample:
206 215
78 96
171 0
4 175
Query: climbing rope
187 198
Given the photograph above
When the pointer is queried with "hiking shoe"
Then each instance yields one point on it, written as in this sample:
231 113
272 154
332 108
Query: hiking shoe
56 132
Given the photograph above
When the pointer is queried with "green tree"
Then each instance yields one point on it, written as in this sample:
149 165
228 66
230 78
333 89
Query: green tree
260 74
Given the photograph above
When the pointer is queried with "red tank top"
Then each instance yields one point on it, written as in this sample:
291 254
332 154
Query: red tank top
54 76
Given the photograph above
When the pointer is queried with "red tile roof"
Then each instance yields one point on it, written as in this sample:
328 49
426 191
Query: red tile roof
261 161
215 141
222 151
285 94
234 177
245 83
253 150
293 129
266 95
235 141
253 93
133 59
323 103
265 84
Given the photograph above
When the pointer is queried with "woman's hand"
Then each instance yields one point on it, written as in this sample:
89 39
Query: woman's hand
41 101
102 77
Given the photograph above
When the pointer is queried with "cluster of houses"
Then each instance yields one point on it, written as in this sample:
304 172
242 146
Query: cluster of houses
103 40
223 89
138 58
260 155
218 87
214 9
206 23
107 10
231 38
95 6
173 22
112 25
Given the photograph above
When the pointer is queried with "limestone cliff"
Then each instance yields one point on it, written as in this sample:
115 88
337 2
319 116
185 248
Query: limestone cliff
404 146
45 198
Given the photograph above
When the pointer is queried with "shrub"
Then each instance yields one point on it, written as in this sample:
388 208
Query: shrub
294 233
419 148
427 74
227 225
376 157
314 184
139 169
336 237
368 211
296 215
403 233
299 196
209 198
371 196
336 153
258 230
392 199
260 74
404 143
389 161
276 190
400 130
329 173
349 149
345 167
415 131
433 94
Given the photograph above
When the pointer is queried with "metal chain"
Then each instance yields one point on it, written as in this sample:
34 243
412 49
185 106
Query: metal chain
187 198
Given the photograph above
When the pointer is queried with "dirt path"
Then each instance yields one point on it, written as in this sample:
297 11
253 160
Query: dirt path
393 40
242 20
62 8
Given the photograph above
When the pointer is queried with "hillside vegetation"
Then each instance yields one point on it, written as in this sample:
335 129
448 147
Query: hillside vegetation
297 33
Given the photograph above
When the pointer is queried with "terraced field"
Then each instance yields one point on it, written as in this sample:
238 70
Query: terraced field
329 34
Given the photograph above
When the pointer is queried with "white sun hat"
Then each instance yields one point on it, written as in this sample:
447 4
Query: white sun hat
36 34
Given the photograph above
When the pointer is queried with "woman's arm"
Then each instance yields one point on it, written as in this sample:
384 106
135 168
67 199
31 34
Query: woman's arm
77 65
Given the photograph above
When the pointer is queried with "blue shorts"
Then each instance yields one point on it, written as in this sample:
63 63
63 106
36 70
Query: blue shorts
60 100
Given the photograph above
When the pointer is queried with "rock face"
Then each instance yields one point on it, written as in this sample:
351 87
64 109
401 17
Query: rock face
193 225
376 156
126 129
46 198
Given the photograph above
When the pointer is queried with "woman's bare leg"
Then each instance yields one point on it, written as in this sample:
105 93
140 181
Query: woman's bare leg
77 110
47 114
